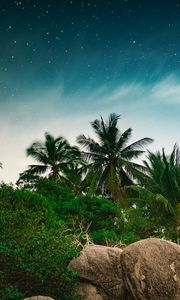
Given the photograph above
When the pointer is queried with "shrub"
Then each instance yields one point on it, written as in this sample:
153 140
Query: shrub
35 248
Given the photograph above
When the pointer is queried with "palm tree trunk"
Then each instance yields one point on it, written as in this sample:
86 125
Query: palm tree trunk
118 196
55 173
115 186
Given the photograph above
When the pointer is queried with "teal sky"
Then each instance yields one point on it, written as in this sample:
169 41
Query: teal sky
65 63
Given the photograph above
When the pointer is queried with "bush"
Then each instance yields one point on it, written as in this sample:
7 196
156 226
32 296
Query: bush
35 248
101 217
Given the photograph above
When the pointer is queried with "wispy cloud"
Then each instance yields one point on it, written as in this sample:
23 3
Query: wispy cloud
123 92
166 91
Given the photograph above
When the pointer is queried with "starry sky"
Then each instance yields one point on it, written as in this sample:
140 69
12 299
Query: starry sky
64 63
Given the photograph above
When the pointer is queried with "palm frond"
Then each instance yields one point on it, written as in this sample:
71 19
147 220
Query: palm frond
37 152
113 119
85 141
37 169
130 154
124 138
139 144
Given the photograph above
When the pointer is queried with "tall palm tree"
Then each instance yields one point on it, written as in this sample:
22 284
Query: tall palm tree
110 157
53 156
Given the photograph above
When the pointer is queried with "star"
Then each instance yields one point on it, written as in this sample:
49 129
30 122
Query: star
18 3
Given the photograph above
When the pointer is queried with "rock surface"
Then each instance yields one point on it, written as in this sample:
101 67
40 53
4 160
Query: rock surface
89 291
39 298
151 270
100 266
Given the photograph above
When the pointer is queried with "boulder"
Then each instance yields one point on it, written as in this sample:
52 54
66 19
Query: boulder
100 266
151 270
39 298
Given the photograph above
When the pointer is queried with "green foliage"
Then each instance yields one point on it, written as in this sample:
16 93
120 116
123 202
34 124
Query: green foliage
11 198
35 248
163 176
98 212
101 216
106 237
149 214
160 194
104 220
11 293
53 190
27 180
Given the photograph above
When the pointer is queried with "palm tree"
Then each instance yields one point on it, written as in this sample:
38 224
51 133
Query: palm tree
162 176
110 158
159 193
53 156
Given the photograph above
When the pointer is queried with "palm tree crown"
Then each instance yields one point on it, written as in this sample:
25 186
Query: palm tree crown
53 156
110 158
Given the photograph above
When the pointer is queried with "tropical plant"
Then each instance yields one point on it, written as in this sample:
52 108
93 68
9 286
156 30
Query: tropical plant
162 176
160 190
111 160
53 156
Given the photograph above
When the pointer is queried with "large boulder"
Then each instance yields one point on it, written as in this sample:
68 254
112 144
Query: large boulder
100 266
151 270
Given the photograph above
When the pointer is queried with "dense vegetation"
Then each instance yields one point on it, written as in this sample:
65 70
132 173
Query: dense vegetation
74 196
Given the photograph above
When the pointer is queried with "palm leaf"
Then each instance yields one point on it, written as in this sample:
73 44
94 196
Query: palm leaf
37 169
139 144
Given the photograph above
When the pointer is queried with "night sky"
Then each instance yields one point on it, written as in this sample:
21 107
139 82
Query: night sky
64 63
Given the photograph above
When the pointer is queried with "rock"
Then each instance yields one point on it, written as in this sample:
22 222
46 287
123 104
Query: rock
88 291
100 266
39 298
151 270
